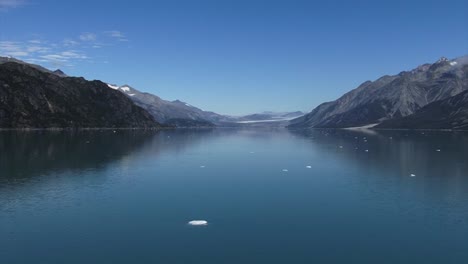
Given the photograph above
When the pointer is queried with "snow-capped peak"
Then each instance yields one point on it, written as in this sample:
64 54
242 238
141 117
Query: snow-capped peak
443 59
453 63
125 88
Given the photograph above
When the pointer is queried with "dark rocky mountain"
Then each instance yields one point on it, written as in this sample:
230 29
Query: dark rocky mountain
391 97
164 111
450 113
57 72
31 97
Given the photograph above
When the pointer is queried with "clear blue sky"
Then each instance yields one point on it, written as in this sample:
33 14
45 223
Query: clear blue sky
235 56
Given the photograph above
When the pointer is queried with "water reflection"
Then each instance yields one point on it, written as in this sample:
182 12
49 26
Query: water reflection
90 195
382 163
27 154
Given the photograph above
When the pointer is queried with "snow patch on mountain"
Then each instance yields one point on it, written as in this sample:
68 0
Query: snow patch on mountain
115 87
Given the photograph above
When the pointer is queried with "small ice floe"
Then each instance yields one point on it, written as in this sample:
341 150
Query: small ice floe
366 150
412 175
365 140
341 147
309 167
87 142
115 131
438 150
390 137
198 223
285 170
202 166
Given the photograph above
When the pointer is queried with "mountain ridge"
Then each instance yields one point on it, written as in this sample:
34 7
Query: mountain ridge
33 98
390 97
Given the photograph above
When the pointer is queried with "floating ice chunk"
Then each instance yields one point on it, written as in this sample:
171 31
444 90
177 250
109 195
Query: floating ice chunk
198 223
412 175
309 167
366 150
285 170
438 150
202 166
341 146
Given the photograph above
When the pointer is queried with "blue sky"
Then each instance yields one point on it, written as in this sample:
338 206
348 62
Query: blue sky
235 56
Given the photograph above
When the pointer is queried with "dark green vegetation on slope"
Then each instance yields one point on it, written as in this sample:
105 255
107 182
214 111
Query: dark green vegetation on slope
451 113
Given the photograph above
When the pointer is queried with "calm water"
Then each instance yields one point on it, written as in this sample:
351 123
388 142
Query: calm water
126 197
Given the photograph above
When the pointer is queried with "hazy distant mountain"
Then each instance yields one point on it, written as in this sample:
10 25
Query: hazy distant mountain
267 116
31 97
450 113
391 97
163 110
181 114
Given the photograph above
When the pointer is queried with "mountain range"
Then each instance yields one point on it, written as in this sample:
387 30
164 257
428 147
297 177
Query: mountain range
181 114
164 111
397 101
32 96
431 96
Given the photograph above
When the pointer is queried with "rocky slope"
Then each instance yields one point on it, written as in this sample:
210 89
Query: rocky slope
391 97
450 113
163 111
31 97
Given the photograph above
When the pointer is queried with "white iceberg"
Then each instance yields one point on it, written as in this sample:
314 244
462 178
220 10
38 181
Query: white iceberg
198 223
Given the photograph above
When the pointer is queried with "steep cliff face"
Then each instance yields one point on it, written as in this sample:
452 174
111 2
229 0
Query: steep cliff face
391 97
34 98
